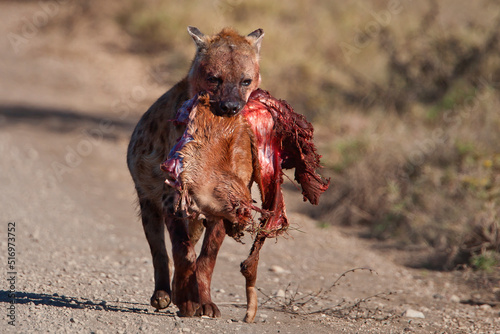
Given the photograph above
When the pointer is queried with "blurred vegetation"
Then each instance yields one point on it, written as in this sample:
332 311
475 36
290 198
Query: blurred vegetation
404 96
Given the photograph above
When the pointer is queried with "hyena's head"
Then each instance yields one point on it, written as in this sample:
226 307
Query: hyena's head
226 65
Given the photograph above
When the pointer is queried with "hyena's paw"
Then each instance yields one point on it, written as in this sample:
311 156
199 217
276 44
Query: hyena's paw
209 309
188 308
185 295
160 299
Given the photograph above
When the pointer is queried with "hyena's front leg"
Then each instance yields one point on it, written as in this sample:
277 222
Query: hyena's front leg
184 286
214 235
154 228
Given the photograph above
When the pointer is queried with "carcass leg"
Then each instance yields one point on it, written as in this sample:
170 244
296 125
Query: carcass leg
249 270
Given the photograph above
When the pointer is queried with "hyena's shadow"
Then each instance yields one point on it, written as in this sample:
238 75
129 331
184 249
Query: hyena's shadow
57 300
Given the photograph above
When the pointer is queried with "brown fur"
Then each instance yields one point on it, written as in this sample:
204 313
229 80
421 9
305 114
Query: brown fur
226 66
219 163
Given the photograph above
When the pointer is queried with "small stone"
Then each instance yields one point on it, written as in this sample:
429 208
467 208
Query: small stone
411 313
455 299
438 296
277 269
186 330
485 307
280 293
264 316
72 320
220 290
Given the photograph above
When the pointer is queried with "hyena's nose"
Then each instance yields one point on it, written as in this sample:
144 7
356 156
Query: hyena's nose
230 108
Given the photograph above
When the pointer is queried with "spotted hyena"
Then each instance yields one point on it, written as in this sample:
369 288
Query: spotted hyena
226 66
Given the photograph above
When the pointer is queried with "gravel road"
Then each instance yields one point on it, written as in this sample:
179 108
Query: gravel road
82 264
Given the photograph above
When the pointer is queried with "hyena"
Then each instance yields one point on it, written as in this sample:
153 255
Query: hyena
226 66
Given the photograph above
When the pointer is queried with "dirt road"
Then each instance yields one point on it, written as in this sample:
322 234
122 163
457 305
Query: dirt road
82 264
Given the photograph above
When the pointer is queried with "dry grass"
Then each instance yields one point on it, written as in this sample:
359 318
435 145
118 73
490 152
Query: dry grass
405 101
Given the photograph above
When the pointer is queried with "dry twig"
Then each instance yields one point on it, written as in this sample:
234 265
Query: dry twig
294 304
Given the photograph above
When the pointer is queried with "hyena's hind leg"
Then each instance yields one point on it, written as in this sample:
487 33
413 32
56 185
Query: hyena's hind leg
154 228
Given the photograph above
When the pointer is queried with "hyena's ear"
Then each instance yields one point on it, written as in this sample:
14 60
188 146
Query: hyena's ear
255 37
198 36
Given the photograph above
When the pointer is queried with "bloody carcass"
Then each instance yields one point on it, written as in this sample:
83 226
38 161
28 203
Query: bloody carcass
215 162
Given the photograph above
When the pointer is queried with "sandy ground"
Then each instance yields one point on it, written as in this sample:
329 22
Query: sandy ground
82 265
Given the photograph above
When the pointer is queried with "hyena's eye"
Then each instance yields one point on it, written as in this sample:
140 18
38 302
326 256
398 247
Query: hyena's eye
246 82
214 80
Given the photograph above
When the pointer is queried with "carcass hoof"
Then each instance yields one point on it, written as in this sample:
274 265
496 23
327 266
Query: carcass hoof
209 309
160 299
